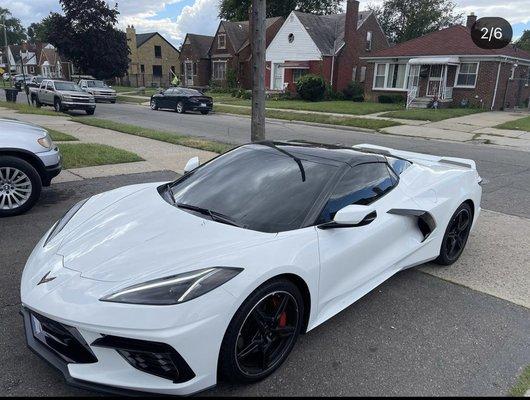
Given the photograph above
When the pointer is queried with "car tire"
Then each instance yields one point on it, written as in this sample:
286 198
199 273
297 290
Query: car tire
234 365
180 108
18 169
57 105
112 101
153 105
38 104
90 112
205 112
456 235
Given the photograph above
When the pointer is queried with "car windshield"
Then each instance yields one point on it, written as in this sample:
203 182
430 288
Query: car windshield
257 187
67 86
96 84
190 92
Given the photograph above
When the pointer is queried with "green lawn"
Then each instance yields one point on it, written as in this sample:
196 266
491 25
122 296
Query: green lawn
78 155
522 124
169 137
523 384
60 136
432 115
335 106
27 109
313 118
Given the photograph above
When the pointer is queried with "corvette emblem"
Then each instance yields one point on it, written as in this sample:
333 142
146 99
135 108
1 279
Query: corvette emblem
45 278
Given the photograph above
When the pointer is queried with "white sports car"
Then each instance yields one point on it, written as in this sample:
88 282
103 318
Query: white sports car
166 287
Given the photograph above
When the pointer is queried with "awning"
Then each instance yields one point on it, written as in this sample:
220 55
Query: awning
295 65
434 60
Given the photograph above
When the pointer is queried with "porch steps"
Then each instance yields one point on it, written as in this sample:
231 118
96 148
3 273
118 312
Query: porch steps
423 102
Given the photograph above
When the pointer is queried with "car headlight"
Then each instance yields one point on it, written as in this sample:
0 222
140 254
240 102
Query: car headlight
46 141
174 289
59 225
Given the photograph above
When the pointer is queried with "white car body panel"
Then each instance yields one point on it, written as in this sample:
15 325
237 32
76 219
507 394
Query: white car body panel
131 235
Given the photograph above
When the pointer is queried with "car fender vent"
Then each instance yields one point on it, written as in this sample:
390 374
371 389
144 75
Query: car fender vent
425 220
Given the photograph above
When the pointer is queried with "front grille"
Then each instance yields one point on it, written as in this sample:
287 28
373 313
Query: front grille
154 358
63 340
80 99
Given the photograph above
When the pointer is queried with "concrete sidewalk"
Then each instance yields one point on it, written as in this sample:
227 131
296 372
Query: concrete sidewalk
158 155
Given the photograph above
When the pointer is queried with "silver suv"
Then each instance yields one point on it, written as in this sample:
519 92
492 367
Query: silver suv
99 89
64 96
29 160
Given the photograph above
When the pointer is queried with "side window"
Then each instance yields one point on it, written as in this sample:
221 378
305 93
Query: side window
361 185
49 86
398 165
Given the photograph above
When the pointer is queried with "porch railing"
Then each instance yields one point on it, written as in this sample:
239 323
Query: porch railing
412 93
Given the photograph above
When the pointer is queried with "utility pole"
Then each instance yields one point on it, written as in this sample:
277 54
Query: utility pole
257 33
7 49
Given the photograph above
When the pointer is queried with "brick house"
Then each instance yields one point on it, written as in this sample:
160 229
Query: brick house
195 65
230 50
326 45
447 65
52 65
153 61
24 58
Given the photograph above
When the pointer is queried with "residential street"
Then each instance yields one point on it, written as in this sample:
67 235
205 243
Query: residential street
506 171
414 335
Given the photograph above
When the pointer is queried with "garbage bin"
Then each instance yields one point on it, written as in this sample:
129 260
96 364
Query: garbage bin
11 95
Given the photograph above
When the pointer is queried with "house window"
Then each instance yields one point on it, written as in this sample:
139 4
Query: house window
354 74
363 74
390 76
368 40
221 41
219 70
142 69
379 78
157 70
194 68
298 73
291 37
158 52
467 75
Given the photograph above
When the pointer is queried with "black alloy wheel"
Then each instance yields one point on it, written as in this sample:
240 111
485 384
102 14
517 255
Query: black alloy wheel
456 235
262 333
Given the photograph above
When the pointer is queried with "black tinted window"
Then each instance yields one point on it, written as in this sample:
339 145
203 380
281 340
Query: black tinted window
362 185
259 188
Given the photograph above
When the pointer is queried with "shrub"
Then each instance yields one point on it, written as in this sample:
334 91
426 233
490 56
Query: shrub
231 78
391 98
331 94
354 91
311 87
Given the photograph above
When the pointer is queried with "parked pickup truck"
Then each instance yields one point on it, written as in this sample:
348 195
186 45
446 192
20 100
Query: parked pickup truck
64 96
32 86
99 89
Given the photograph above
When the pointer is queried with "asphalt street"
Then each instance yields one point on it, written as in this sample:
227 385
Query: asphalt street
506 171
414 335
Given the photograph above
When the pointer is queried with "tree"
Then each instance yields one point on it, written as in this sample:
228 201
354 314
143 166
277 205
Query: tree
87 36
39 31
16 33
403 20
524 41
237 10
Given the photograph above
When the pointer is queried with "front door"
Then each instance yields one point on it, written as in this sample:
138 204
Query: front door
277 82
188 73
435 82
354 260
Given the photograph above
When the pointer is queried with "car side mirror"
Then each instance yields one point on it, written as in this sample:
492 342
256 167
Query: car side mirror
192 164
351 216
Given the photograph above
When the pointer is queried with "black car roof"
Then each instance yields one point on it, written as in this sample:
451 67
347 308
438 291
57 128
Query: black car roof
335 153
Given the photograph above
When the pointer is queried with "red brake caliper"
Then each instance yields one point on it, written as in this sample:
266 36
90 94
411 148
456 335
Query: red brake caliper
283 320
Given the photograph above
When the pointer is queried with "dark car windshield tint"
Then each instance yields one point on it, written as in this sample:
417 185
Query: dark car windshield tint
259 188
67 86
97 84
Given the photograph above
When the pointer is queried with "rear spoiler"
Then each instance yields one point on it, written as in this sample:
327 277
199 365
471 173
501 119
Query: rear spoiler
417 157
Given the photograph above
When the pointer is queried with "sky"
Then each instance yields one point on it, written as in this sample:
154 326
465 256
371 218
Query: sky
175 18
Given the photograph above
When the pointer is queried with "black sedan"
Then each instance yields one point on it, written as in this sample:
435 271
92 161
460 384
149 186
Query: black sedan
182 100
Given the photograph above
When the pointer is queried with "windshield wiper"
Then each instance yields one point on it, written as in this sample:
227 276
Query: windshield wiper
298 161
214 215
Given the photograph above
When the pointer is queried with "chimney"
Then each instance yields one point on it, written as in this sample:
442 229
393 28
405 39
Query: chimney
471 19
350 25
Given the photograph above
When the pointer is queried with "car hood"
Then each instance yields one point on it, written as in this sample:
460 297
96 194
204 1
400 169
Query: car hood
13 127
134 234
74 93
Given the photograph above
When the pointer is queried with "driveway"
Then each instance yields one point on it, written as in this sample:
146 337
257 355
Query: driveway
414 335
